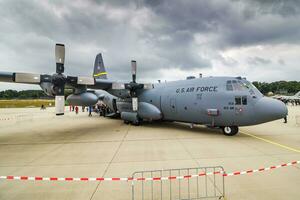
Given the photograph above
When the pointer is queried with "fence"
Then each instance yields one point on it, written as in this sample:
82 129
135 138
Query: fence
179 184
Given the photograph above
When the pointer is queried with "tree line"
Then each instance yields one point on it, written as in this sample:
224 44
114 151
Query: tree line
290 87
25 94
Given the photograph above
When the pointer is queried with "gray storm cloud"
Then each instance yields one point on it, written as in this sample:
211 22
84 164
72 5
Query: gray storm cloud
185 35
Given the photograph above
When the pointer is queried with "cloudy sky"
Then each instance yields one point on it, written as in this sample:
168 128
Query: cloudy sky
170 39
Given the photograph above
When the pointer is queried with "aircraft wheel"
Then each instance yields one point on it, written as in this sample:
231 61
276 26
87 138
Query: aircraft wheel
136 123
230 130
126 122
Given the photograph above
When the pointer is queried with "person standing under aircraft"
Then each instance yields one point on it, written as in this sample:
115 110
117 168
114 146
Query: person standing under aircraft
76 110
90 111
285 119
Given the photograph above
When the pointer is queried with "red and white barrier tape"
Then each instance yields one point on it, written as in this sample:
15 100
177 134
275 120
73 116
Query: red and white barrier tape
32 178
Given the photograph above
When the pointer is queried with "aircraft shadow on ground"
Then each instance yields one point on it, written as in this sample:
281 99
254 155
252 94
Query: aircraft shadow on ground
79 131
197 129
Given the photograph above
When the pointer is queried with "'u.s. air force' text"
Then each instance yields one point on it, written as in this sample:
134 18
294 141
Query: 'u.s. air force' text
197 89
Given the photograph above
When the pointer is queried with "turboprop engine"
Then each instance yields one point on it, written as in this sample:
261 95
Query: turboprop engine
146 111
83 99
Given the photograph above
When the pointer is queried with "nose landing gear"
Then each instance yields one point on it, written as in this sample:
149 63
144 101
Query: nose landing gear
230 130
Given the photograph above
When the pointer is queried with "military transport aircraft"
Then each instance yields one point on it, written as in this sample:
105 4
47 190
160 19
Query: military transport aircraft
223 102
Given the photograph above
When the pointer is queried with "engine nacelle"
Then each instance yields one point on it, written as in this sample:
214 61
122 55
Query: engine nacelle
130 116
149 111
145 111
83 99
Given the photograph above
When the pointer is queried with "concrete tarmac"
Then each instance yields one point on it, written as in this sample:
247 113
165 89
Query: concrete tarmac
38 143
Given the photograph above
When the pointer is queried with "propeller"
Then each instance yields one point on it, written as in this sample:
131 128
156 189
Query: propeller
133 86
59 79
55 83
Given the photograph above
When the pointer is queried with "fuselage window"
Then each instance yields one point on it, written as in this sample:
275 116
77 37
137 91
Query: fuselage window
238 101
244 100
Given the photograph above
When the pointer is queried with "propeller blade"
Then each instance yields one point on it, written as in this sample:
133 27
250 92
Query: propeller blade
133 70
81 80
134 104
59 105
148 86
60 58
118 86
6 77
26 78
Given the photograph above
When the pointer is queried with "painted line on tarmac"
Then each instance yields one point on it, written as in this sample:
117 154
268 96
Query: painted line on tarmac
271 142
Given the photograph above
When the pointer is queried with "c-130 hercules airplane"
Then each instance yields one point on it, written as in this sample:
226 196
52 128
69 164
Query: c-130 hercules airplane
222 102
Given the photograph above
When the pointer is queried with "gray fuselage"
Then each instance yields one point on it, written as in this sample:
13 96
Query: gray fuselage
213 101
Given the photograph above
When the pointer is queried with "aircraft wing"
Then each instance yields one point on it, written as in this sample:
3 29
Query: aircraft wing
118 89
102 84
6 77
71 81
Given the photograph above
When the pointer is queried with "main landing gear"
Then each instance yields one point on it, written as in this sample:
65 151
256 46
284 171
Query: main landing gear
135 123
230 130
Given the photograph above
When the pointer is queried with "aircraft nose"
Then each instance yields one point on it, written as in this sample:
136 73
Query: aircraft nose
268 109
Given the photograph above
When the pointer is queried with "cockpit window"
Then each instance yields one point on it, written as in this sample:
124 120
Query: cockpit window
229 86
244 100
238 85
238 101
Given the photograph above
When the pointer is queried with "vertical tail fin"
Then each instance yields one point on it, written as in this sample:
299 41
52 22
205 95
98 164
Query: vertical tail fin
297 94
99 69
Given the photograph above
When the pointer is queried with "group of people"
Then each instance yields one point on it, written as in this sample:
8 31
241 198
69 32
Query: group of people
76 109
99 108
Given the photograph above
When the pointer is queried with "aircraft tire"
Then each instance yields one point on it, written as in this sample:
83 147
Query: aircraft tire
230 130
126 122
137 123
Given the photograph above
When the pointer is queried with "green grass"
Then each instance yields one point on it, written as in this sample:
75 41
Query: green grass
17 103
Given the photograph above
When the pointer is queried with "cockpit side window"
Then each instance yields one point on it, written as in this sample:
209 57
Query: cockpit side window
238 101
244 100
237 85
229 86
